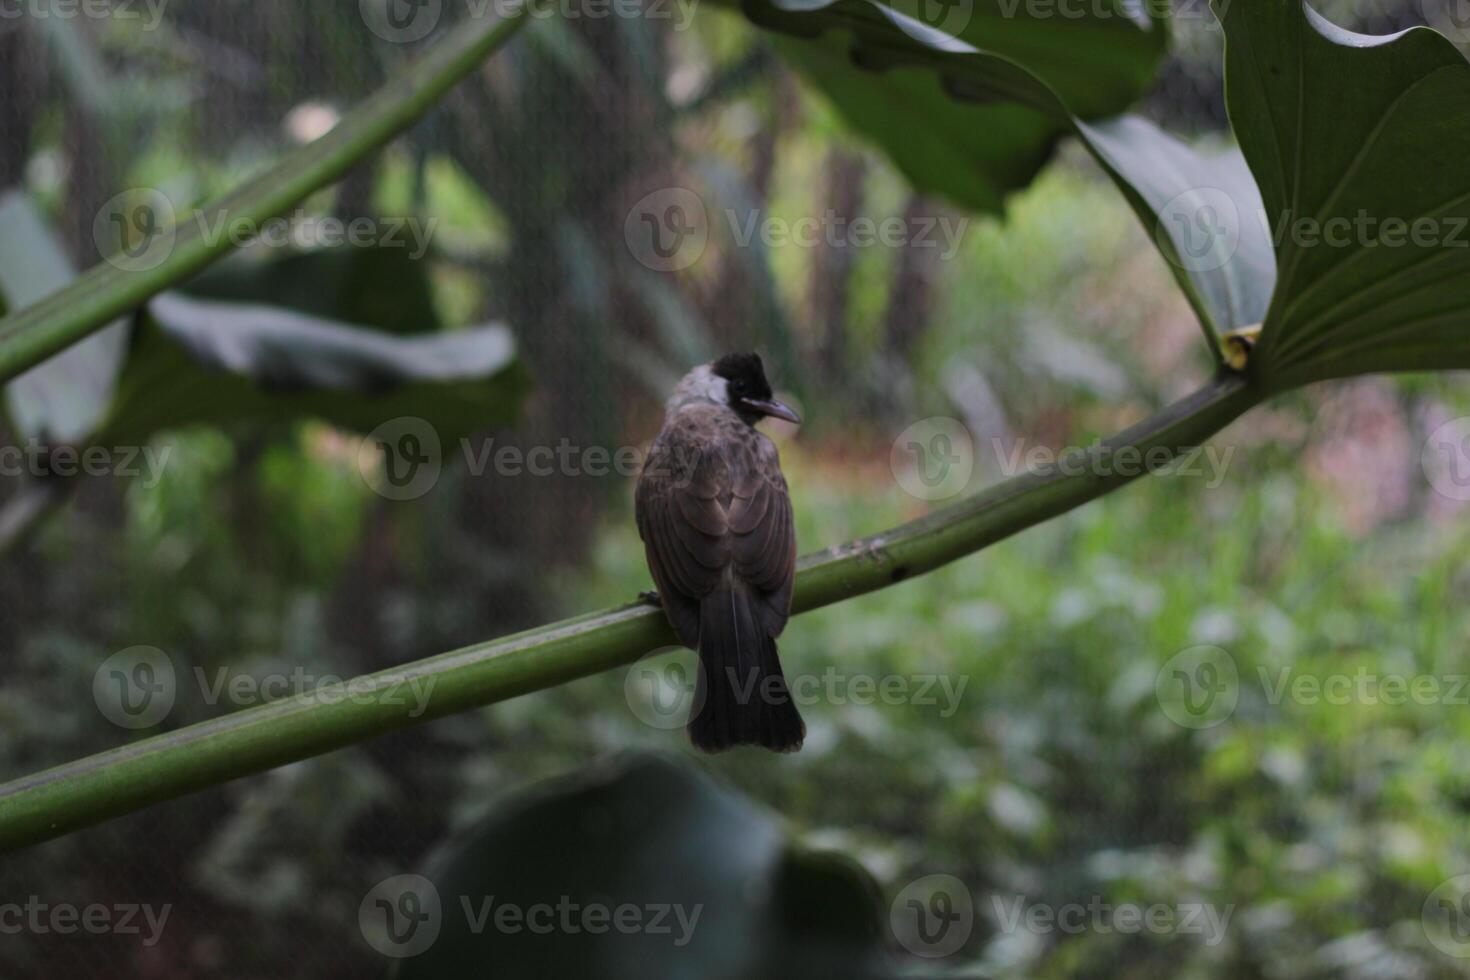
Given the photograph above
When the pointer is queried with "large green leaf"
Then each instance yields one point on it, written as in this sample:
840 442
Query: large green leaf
204 361
380 286
642 834
1355 141
63 399
1097 63
1202 211
976 122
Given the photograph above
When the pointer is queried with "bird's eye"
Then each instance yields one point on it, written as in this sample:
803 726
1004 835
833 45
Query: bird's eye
738 387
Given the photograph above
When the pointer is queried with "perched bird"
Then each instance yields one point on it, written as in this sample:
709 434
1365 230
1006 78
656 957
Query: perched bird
715 517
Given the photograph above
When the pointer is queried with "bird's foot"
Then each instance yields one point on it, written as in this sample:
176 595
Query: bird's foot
652 598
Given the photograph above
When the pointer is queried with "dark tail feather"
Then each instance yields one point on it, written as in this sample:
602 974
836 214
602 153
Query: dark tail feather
741 698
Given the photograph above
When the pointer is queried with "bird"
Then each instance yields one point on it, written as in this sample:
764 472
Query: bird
714 513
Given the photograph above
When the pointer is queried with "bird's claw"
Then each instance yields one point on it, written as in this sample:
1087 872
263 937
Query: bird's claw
651 597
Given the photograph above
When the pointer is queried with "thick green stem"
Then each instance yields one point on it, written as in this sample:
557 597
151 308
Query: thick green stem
106 292
91 790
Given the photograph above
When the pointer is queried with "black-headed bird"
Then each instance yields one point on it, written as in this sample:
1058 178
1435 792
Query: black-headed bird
715 517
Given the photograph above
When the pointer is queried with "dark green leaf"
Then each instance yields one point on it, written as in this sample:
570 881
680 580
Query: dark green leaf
1203 212
975 123
382 287
200 361
1351 137
648 832
1096 63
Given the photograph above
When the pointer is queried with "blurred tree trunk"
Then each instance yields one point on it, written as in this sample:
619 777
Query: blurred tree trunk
20 82
736 299
523 130
910 308
844 174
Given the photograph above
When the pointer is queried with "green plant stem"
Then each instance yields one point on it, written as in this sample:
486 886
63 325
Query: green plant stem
104 292
152 770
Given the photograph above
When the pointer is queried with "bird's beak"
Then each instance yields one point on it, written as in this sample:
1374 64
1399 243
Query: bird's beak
773 408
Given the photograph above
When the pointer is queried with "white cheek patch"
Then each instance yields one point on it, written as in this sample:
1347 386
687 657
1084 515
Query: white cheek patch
700 385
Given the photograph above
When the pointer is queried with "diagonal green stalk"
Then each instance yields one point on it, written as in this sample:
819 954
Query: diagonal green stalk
109 784
105 292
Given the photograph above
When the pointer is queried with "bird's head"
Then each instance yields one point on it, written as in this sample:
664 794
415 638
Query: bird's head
746 389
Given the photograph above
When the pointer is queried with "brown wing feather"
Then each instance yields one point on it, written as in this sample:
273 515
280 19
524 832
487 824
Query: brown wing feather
712 496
